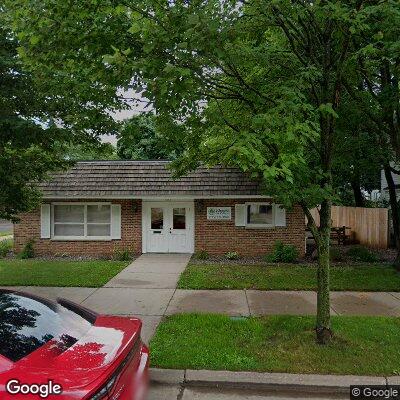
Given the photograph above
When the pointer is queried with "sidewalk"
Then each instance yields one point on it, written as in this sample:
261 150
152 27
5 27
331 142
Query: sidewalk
147 289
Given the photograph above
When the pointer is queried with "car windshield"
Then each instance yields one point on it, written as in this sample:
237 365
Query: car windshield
27 324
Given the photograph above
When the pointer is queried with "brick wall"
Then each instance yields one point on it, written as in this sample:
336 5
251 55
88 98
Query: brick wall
216 237
131 235
219 237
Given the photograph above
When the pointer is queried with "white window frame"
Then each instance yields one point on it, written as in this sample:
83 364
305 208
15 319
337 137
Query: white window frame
84 237
263 203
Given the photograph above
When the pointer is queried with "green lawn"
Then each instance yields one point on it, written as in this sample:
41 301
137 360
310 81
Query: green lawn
58 273
5 233
362 345
373 277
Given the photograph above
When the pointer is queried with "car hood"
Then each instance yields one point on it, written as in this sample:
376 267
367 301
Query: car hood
95 354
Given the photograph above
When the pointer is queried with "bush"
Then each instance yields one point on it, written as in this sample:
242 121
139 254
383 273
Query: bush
201 255
122 255
282 253
232 255
28 250
5 247
361 253
335 254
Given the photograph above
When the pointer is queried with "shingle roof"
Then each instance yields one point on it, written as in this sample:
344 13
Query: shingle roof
125 179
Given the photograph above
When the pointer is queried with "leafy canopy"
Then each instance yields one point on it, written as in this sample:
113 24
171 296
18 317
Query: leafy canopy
138 139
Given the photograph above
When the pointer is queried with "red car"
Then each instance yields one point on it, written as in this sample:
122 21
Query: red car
59 350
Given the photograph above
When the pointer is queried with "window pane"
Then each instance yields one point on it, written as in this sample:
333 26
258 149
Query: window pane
68 230
27 324
179 218
98 230
69 213
157 218
98 213
259 214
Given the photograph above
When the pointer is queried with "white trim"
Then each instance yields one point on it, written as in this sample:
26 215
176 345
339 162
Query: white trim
85 223
45 221
157 198
255 226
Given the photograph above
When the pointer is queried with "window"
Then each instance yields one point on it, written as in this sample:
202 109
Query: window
26 324
179 218
157 218
259 214
81 221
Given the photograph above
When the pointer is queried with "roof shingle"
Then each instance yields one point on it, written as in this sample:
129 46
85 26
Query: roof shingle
135 179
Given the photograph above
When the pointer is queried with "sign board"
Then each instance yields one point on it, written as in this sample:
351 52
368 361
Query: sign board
219 213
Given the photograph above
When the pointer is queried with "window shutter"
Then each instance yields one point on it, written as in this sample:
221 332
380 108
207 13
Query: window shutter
45 221
240 214
280 215
115 221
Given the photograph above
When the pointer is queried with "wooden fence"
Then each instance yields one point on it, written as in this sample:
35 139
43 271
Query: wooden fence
369 226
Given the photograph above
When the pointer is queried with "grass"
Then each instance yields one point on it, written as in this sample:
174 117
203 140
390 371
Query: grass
6 233
369 277
58 273
362 345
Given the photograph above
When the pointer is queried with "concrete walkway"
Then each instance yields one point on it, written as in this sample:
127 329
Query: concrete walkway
147 289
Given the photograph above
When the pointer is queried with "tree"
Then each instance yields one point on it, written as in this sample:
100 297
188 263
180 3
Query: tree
376 91
138 139
38 116
90 150
357 159
257 85
27 151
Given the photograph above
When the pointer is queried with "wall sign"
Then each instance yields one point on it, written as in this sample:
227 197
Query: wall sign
219 213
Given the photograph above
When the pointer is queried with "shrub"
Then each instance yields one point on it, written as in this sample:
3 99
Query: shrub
201 255
361 253
282 253
335 254
122 255
5 247
28 250
232 255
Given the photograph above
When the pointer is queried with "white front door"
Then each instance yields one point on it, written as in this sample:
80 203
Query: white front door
168 227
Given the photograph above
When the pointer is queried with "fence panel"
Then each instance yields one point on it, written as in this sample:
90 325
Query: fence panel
370 226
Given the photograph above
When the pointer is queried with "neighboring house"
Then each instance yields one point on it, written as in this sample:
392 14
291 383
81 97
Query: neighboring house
384 186
98 207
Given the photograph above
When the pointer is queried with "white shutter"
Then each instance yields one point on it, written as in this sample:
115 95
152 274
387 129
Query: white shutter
240 214
280 215
115 221
45 221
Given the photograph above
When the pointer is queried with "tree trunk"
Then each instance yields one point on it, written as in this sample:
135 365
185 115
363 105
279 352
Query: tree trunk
322 239
323 327
359 199
394 211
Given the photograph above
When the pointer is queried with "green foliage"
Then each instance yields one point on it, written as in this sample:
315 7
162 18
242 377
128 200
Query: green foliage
92 150
138 139
282 253
201 255
5 247
232 255
28 251
123 255
361 253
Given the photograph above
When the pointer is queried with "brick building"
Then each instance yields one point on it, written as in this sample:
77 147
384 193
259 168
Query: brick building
98 207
